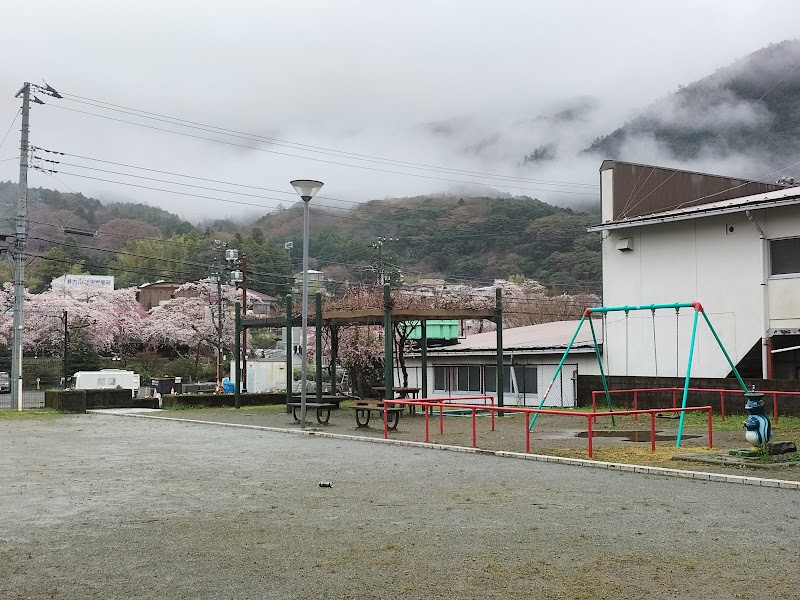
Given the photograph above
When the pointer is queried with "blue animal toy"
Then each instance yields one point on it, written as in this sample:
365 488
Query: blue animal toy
757 428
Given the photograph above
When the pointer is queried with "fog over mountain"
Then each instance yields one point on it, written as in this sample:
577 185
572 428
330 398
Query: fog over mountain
500 99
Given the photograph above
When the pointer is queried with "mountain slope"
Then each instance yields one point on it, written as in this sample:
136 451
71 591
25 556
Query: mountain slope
751 107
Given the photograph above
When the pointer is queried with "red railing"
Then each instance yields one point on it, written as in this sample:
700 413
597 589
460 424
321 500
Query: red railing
722 393
429 404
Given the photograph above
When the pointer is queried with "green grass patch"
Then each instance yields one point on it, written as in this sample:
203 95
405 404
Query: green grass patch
41 414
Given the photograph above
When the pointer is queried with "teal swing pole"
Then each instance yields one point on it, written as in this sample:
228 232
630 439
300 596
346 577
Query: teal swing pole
602 372
688 373
728 358
558 369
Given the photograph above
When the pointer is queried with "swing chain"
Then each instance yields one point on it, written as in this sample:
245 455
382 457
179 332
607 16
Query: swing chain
677 342
655 345
626 343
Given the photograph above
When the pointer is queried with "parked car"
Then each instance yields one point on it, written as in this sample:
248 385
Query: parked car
5 383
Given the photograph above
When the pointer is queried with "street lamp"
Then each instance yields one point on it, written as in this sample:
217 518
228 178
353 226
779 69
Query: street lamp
305 188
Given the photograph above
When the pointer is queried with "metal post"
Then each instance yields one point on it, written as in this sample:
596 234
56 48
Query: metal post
244 330
318 340
238 356
602 373
334 355
289 351
66 347
558 370
688 375
21 233
388 379
498 295
424 349
304 324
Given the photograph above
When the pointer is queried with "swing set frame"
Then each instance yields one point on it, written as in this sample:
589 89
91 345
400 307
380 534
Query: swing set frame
587 315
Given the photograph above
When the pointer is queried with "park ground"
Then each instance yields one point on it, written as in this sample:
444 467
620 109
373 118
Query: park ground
98 506
551 435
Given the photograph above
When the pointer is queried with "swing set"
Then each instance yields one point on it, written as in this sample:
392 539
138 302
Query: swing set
604 310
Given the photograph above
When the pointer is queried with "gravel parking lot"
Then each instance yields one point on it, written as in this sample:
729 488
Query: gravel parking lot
106 507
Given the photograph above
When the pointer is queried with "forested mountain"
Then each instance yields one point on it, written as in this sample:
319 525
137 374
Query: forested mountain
465 239
473 240
749 108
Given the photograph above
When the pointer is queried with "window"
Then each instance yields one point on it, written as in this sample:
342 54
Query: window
785 256
440 379
491 379
469 379
456 378
530 380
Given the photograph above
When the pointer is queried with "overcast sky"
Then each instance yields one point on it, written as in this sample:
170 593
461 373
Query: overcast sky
455 84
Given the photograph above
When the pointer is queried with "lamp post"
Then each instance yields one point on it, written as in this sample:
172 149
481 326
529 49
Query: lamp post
305 188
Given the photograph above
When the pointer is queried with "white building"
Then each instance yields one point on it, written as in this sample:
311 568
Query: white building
684 237
531 355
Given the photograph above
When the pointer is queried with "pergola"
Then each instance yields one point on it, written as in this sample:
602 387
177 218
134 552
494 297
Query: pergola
385 316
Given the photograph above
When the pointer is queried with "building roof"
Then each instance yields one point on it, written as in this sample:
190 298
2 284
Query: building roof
545 337
637 190
254 295
161 283
783 197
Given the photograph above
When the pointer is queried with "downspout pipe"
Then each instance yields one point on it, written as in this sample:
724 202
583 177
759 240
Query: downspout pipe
765 354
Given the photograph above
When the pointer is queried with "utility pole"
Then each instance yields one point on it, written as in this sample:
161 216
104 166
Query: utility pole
380 277
218 247
21 233
66 347
244 329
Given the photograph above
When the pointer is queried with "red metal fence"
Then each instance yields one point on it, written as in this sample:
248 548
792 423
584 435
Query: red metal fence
722 394
445 404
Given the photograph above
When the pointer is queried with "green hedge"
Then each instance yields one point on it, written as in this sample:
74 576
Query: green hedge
78 401
218 400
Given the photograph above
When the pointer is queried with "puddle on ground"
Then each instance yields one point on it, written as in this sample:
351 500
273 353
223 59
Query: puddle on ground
632 435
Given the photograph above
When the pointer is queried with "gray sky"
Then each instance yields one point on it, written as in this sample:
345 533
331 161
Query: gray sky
456 84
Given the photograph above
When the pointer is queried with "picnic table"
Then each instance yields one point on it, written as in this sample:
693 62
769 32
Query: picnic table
334 399
365 408
323 410
402 392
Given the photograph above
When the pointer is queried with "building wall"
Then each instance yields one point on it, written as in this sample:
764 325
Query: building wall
714 260
562 394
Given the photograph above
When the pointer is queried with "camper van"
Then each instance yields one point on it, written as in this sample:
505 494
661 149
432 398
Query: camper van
107 378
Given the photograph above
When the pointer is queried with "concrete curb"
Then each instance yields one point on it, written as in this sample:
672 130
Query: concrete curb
575 462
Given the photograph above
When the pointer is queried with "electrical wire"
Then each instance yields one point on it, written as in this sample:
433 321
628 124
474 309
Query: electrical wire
298 146
349 217
736 120
364 167
14 120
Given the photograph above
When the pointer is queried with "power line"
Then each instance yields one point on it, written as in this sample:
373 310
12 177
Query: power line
14 120
307 147
736 120
349 217
418 175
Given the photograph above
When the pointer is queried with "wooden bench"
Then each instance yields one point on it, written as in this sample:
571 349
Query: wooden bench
326 398
365 408
323 410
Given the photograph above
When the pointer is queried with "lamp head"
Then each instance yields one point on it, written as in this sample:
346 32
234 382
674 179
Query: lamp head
306 188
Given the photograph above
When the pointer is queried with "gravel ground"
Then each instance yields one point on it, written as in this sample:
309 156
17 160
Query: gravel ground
108 507
554 435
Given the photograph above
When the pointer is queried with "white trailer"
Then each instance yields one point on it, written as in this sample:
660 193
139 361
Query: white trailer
107 378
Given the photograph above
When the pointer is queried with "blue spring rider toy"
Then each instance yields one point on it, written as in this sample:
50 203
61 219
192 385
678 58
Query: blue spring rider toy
757 427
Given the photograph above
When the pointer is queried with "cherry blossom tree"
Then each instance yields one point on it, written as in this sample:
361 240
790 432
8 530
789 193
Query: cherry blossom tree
189 320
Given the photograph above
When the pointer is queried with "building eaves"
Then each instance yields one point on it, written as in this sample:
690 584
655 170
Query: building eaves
786 197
